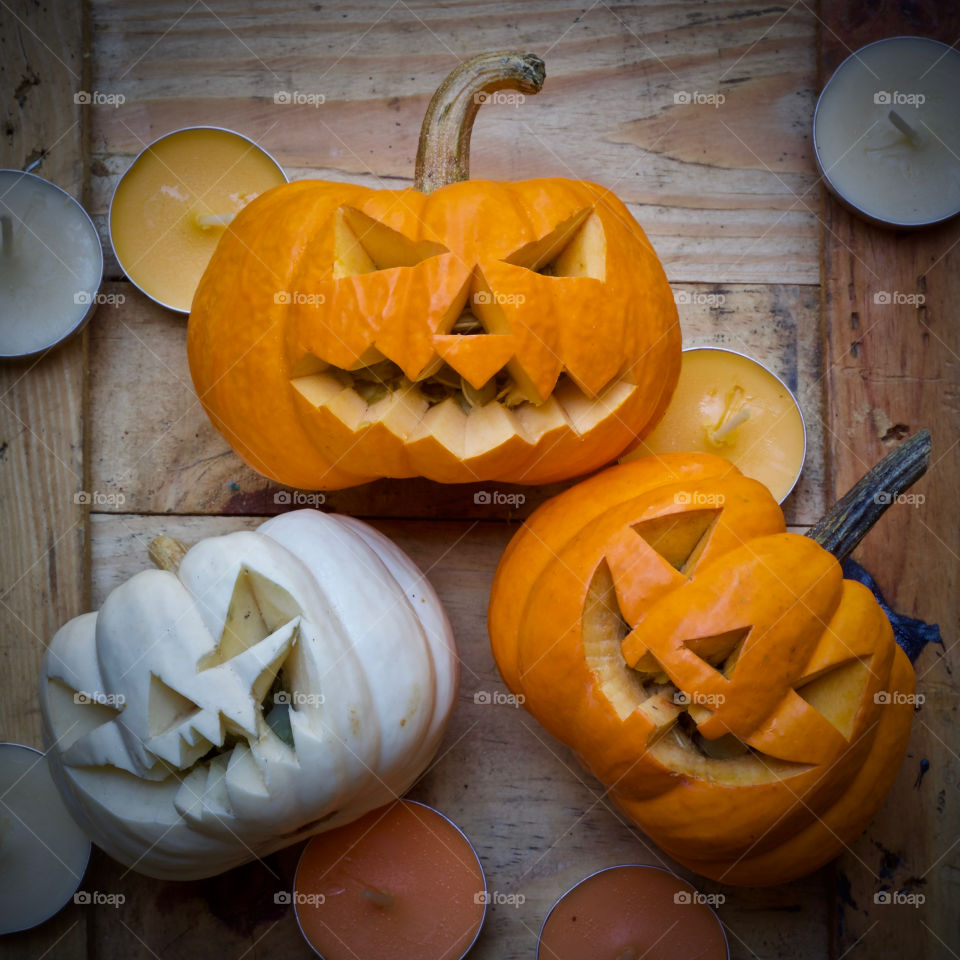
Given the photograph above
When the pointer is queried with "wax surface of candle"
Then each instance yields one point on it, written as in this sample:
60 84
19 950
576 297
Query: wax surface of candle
868 157
155 219
407 856
50 267
632 911
716 388
43 853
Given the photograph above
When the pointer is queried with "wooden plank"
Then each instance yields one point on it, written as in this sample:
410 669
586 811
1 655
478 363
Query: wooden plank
892 369
494 758
726 189
152 449
42 575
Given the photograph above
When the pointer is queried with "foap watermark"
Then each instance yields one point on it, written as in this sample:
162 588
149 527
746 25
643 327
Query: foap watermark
85 298
296 698
896 98
288 297
508 97
898 298
284 898
712 700
115 700
702 899
484 296
898 898
886 498
495 898
687 97
97 98
97 498
298 98
499 498
498 698
299 498
681 297
698 498
885 697
97 898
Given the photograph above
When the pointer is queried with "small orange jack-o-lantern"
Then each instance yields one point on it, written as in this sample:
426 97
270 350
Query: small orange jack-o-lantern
743 704
462 330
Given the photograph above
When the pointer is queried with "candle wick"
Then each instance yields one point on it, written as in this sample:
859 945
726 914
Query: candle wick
720 433
378 897
909 132
6 229
207 220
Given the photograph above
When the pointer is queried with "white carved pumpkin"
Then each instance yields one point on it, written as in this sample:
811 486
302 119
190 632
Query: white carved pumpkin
282 682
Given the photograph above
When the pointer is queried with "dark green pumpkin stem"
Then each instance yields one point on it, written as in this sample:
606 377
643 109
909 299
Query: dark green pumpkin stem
849 520
444 153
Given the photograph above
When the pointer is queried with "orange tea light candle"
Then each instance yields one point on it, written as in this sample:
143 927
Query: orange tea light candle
632 911
173 204
402 881
730 405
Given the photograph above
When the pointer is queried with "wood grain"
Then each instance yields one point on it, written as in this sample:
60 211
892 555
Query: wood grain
153 449
538 821
42 549
893 369
727 193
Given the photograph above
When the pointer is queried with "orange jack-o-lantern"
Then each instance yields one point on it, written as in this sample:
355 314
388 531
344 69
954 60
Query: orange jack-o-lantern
463 330
743 704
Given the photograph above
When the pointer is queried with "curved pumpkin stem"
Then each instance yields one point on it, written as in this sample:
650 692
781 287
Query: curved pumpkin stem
852 516
444 153
167 553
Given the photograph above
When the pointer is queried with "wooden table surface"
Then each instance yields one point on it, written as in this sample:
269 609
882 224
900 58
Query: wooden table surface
761 260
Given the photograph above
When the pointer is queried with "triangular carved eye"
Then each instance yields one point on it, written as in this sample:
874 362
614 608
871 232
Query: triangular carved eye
364 245
258 607
679 538
576 247
720 650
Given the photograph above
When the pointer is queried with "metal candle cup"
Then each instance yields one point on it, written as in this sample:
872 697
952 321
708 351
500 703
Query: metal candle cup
43 853
886 132
170 208
402 880
731 405
51 265
630 911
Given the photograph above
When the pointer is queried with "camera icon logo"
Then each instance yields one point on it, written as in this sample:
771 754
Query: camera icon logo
882 297
281 297
483 497
681 97
282 96
283 898
683 896
882 98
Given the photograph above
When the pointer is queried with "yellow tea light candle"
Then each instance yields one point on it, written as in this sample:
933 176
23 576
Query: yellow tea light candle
51 264
887 132
171 207
43 853
729 405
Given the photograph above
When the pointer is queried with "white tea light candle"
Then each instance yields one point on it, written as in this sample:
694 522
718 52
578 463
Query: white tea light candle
887 132
43 853
51 264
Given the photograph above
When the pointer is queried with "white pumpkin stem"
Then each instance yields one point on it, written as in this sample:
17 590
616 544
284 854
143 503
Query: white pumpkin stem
167 553
443 155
